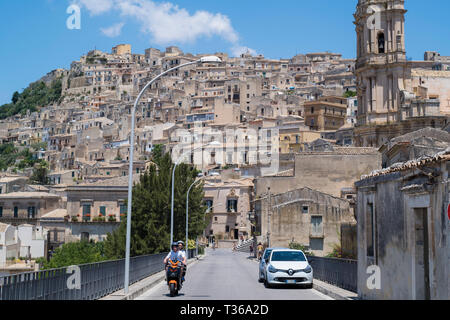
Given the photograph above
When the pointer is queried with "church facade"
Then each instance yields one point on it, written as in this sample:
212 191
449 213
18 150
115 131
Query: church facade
395 95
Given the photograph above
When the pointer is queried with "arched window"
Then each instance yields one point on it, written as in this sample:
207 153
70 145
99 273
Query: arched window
381 42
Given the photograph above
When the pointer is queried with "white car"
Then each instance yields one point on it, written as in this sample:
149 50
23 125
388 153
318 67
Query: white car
262 263
290 267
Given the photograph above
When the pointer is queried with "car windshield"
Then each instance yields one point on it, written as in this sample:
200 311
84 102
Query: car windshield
288 256
267 254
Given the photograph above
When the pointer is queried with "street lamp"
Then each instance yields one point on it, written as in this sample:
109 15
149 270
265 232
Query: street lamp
208 59
187 210
214 143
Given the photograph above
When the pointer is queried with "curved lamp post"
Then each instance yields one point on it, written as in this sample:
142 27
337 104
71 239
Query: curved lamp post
187 209
214 143
209 59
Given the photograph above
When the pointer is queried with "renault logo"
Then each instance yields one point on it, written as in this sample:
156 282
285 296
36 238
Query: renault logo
290 272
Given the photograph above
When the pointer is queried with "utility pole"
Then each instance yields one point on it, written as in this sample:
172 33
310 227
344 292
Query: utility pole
268 218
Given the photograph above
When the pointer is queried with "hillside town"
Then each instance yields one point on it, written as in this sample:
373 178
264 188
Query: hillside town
362 148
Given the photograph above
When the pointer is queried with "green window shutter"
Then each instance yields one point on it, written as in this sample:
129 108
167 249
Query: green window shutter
103 210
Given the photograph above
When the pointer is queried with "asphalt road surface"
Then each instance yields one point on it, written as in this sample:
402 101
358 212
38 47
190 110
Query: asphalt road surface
224 275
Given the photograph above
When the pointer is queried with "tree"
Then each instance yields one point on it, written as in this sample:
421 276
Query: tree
350 94
40 174
157 153
15 97
76 253
36 95
150 221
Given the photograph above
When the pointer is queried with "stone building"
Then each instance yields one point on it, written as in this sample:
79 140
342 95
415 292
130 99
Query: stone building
414 145
403 228
395 95
328 113
27 207
229 203
330 173
305 216
104 198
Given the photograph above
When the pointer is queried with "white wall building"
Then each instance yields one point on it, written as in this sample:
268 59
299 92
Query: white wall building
9 243
33 241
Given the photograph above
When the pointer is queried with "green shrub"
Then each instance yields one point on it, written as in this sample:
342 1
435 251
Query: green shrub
298 246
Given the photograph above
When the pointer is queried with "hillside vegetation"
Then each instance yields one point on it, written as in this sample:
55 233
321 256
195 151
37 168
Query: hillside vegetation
36 95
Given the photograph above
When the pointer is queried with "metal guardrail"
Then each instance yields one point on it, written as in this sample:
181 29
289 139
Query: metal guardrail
339 272
97 280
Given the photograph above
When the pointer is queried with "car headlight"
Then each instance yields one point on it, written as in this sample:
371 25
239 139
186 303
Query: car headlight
272 269
308 269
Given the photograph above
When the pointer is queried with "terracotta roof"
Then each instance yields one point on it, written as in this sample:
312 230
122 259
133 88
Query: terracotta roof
402 166
28 195
287 173
113 182
58 213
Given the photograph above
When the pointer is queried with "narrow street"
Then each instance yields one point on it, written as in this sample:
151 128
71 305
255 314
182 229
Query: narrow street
224 275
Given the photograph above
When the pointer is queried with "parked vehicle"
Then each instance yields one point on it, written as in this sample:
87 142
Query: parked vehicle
263 265
288 267
173 275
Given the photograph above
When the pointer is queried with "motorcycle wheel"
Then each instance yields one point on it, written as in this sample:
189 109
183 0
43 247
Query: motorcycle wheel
172 290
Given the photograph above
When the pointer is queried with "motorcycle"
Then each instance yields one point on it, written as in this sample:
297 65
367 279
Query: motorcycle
174 274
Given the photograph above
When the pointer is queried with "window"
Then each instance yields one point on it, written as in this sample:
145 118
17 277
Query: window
316 226
16 212
85 236
1 212
227 229
86 211
305 209
209 205
103 210
232 205
123 209
31 212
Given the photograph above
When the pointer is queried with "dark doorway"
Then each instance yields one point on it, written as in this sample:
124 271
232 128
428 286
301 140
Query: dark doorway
422 263
381 43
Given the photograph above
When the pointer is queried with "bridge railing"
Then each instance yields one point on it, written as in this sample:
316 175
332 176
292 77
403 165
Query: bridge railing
339 272
97 280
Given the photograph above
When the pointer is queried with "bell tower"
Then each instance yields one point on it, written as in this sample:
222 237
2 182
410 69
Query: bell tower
381 60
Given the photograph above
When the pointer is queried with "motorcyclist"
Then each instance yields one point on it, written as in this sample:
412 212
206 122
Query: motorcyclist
174 255
183 256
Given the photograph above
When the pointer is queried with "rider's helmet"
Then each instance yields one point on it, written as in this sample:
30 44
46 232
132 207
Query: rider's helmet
181 242
174 244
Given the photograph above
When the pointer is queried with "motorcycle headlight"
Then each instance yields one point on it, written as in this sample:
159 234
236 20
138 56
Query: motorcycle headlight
272 269
308 269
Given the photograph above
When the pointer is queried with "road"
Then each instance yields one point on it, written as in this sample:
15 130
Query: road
224 275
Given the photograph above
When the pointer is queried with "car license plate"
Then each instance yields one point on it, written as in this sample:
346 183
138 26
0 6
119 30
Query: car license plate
291 281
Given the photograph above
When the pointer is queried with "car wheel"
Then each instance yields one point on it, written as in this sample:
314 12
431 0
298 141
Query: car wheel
309 286
260 279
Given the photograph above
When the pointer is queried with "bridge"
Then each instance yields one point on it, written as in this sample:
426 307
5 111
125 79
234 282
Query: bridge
219 275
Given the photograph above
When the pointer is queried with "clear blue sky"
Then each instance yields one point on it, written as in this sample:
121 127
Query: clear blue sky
35 39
